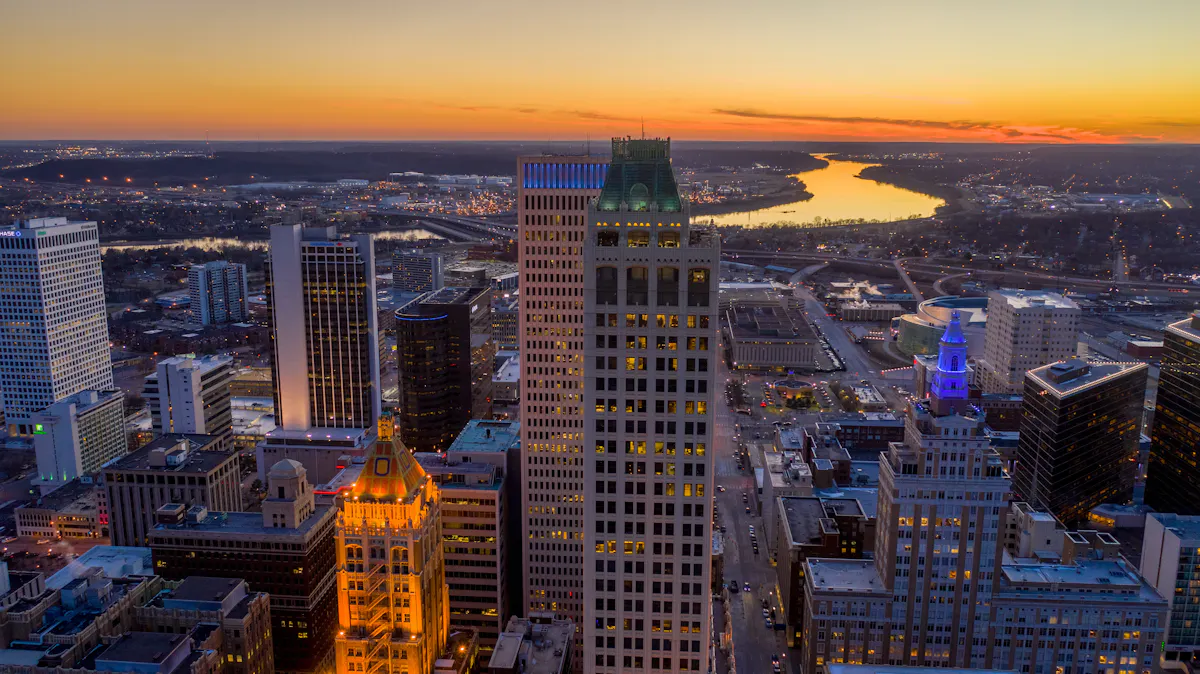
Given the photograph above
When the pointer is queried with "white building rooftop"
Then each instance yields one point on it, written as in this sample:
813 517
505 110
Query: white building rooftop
1024 299
849 575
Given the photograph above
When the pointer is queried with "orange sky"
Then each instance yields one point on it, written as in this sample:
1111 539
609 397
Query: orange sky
1022 70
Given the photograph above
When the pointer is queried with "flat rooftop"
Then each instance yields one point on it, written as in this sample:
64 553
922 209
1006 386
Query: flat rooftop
543 646
1187 527
1072 376
44 223
86 401
143 647
198 459
862 418
455 294
849 575
205 588
436 466
504 654
773 322
74 495
487 436
115 561
867 497
803 518
202 364
1024 299
1188 328
510 371
243 524
342 481
318 435
1094 577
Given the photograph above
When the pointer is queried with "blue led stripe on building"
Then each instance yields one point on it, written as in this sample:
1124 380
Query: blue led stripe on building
575 176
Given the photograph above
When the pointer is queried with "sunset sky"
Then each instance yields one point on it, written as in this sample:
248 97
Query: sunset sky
964 70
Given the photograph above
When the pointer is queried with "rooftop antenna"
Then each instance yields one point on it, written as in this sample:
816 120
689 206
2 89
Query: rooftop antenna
587 148
207 146
643 128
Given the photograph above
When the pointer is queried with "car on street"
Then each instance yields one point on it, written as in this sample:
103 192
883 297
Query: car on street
747 508
720 488
766 613
746 587
733 586
768 623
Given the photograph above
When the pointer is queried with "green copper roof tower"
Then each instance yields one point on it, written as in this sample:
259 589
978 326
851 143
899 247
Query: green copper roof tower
640 177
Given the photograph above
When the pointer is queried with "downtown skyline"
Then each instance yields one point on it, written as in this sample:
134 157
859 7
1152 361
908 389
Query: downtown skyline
765 70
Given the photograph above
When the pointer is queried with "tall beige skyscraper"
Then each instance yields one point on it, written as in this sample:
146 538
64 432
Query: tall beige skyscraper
650 305
552 221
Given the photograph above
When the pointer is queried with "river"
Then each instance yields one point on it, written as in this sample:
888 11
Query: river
221 242
839 195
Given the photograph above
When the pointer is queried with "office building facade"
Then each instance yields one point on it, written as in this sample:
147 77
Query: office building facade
324 335
1026 329
1080 427
415 271
286 551
649 278
217 291
944 592
478 483
445 353
1171 562
475 514
1174 469
392 595
186 470
552 206
191 395
53 327
77 435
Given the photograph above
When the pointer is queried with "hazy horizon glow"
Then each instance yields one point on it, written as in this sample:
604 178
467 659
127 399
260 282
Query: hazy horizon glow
1105 71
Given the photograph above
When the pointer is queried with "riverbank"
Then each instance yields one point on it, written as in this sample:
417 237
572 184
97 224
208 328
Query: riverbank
889 176
799 192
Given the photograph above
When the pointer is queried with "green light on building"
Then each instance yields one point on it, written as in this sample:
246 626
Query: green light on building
39 429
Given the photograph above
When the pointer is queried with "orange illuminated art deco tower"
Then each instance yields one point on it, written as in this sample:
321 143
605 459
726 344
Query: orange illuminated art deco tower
392 597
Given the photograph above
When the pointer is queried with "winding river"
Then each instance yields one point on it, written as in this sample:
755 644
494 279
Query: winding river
839 196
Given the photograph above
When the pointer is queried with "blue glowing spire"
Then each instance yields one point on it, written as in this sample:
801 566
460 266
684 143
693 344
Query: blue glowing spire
949 381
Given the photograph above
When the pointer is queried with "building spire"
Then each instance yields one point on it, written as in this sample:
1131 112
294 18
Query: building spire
948 387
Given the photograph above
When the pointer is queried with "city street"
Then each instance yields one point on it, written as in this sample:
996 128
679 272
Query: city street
753 642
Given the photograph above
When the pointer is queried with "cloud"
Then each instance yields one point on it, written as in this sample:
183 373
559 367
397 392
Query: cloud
1008 131
599 116
1179 123
580 114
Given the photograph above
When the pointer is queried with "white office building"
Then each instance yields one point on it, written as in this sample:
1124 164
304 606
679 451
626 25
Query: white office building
650 309
1026 329
1171 562
53 328
415 271
191 395
552 221
77 435
218 293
